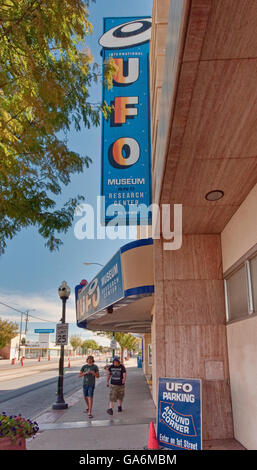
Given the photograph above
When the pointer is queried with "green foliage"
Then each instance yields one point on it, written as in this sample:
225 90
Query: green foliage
90 344
75 342
8 331
125 340
17 426
45 75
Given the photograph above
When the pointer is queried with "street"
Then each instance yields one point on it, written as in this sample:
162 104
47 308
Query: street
31 389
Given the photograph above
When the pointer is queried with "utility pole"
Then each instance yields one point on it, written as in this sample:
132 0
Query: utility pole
19 351
26 327
27 319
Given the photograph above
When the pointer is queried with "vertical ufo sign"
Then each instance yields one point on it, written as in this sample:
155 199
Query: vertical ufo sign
126 144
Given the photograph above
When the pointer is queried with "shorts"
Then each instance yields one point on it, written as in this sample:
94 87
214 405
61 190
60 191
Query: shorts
88 390
117 392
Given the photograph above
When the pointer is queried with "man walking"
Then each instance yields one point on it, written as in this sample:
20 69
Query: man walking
116 373
89 372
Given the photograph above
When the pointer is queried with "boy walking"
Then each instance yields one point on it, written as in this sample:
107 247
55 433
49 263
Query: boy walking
89 372
116 373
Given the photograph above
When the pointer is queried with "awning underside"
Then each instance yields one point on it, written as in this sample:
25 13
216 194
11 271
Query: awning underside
131 314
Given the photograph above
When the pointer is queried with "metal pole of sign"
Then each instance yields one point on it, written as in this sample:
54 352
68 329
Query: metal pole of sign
60 402
113 350
60 399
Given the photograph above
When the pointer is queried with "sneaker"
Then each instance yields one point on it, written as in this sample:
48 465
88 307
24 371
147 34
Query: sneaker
110 411
119 409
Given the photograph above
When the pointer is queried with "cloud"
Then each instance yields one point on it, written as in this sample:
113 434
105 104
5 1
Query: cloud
47 308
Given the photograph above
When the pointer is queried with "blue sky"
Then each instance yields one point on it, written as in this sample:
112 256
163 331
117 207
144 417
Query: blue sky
29 274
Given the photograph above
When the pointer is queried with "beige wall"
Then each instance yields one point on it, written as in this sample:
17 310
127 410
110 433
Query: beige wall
242 346
240 234
137 267
238 237
144 231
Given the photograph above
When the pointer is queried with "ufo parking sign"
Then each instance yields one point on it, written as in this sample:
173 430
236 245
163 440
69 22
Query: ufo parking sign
179 414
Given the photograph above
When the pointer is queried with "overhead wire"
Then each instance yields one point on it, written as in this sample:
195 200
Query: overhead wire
26 313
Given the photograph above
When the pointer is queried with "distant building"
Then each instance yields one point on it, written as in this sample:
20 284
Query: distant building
31 349
11 350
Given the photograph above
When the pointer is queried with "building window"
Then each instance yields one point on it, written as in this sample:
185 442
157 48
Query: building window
237 294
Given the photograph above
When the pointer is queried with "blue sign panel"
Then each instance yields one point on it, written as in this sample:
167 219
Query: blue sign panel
103 291
179 414
44 331
126 145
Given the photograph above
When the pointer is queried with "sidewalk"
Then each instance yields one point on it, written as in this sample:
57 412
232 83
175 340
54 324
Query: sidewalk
71 429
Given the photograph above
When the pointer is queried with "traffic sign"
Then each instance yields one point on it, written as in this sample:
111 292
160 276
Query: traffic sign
43 340
113 344
44 331
62 334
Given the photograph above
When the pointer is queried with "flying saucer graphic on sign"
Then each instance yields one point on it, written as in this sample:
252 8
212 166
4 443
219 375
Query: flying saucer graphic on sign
127 34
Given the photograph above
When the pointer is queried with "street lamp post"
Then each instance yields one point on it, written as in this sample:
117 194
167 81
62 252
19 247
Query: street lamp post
64 293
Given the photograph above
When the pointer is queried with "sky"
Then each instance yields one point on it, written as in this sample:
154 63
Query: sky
29 274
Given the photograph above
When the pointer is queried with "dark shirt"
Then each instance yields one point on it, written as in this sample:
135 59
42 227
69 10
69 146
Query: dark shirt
117 374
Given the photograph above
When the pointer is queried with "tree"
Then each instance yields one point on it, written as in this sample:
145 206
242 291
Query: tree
8 331
75 342
125 340
45 76
90 344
